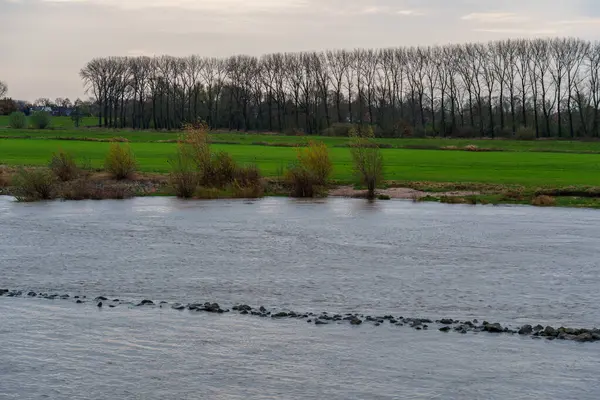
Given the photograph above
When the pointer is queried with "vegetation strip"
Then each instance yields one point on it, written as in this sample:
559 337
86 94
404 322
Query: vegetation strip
325 318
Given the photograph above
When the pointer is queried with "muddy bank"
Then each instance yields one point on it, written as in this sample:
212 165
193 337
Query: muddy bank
443 325
396 193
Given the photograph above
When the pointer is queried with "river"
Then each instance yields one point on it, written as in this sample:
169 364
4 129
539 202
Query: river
513 265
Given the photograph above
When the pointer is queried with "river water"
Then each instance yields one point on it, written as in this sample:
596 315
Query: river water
511 265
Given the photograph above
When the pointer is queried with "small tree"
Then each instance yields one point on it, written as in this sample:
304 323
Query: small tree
17 120
120 161
367 158
40 119
3 89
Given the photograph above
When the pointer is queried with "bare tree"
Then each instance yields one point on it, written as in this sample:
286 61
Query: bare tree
3 89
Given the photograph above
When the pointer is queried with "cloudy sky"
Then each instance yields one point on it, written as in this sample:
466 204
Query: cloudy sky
44 43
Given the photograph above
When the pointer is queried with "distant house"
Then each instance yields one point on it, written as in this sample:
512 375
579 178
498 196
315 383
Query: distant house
41 108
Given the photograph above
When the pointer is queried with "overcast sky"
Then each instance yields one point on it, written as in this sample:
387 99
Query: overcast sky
44 43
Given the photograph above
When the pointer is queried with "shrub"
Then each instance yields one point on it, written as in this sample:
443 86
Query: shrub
120 161
248 176
63 165
367 159
543 201
198 172
221 172
301 181
183 176
17 120
34 185
315 158
310 171
339 129
4 177
524 133
384 197
247 191
40 119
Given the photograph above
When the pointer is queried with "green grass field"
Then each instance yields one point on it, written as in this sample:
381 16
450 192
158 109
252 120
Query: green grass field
67 131
522 168
548 163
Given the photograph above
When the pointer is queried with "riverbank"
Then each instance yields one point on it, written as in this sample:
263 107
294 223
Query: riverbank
98 185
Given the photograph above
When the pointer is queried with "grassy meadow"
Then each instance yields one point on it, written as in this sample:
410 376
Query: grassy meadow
529 169
529 164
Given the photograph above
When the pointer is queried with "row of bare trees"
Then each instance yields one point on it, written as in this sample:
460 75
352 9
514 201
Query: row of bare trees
550 86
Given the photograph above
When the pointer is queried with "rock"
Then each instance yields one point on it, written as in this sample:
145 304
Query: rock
494 328
102 298
178 307
550 332
392 321
538 328
262 309
244 312
565 336
377 324
79 302
32 294
115 300
212 308
584 337
309 321
75 297
280 315
146 303
445 329
320 322
99 305
356 321
111 305
64 296
526 330
3 292
446 321
475 321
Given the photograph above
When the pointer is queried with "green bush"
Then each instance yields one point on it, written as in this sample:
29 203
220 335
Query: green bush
17 120
120 161
40 119
34 185
64 166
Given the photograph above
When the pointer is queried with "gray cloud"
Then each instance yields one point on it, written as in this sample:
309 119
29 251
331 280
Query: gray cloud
44 43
